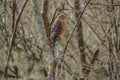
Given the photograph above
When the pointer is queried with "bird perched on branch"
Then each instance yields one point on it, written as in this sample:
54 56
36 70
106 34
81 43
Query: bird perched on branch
58 29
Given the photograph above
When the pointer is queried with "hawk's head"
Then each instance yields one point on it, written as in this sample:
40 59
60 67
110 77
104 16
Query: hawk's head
62 16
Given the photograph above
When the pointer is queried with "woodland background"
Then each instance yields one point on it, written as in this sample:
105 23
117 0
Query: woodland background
91 44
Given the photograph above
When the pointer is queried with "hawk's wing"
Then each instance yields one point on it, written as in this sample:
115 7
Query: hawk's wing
56 29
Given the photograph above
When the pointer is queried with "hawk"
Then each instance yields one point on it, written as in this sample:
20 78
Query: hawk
58 29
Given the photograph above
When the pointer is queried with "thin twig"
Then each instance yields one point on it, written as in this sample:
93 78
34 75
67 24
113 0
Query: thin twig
101 40
93 30
53 18
70 5
89 67
13 13
104 4
94 13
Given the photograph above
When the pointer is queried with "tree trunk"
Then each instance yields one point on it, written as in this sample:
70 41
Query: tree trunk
79 33
52 62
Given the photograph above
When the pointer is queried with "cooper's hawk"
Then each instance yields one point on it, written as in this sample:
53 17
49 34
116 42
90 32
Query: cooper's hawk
58 29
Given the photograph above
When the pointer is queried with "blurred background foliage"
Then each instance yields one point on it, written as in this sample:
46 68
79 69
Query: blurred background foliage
101 34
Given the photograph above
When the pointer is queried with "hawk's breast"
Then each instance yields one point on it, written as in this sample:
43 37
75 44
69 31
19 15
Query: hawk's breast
63 22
